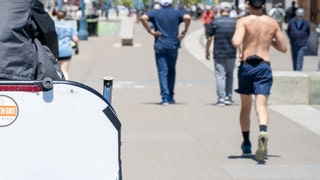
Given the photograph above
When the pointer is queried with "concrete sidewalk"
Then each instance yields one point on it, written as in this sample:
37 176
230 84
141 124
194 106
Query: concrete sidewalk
192 139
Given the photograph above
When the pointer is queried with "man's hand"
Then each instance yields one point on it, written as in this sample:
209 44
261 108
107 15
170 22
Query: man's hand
181 36
240 58
207 55
156 33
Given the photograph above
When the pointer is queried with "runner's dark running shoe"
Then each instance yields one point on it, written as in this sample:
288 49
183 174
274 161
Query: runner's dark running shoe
246 149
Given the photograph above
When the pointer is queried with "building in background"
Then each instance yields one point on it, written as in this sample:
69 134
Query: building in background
312 10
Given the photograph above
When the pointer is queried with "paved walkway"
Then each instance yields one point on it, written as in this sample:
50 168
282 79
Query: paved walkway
193 139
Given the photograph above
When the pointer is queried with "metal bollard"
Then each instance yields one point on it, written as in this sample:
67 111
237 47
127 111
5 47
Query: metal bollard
107 88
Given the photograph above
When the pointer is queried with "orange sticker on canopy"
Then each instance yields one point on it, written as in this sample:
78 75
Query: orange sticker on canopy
8 110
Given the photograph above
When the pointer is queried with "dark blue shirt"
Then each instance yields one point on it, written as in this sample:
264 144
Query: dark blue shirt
298 31
167 21
222 29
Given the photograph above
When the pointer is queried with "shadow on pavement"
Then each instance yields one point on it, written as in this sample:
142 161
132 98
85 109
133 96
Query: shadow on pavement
252 157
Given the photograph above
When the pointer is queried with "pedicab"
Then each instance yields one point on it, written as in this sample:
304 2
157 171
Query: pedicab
49 128
58 130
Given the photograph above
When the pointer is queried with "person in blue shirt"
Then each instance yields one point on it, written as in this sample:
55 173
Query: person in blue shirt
166 23
66 34
298 32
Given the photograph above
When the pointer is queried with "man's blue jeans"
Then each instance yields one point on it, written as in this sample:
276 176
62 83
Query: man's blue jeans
297 53
166 64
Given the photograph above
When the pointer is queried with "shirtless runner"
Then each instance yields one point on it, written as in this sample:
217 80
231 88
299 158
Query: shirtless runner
253 37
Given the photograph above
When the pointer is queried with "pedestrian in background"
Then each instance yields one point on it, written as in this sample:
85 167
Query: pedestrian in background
66 35
278 14
207 17
224 54
290 12
233 13
54 11
298 33
78 18
254 35
166 23
243 11
199 10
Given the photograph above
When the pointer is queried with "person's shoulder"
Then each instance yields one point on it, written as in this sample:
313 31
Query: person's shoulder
292 20
256 19
306 21
227 19
64 24
57 23
166 10
151 14
244 19
269 20
232 19
272 10
216 20
251 19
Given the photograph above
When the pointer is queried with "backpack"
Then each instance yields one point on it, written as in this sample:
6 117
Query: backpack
277 15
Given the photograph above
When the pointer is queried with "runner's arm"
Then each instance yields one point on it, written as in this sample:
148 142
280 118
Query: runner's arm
238 36
279 42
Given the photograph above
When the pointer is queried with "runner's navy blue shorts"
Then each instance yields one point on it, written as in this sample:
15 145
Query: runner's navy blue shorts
254 78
